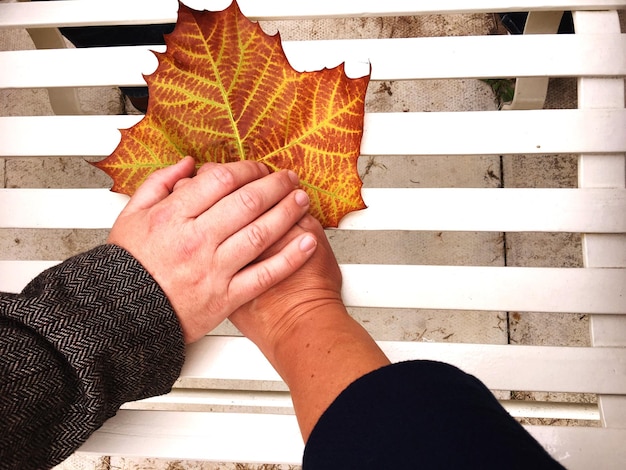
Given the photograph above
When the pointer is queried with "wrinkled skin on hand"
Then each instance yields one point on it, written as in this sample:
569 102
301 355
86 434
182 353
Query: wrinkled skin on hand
317 284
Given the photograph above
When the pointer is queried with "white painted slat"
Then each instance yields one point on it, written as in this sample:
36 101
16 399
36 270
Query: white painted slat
466 56
421 133
569 290
551 410
80 13
486 288
497 210
65 135
60 208
610 253
223 437
14 275
456 209
602 171
531 368
256 438
582 448
430 58
500 367
85 13
89 66
612 409
227 358
495 132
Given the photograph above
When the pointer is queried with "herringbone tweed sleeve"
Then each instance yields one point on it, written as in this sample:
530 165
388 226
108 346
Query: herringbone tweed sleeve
80 340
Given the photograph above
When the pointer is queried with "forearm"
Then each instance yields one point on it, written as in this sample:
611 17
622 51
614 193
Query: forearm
81 339
325 351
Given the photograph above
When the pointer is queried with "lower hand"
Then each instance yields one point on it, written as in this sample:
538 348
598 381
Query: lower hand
268 319
303 328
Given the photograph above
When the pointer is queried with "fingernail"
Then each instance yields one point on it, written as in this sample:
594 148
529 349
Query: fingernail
293 177
308 243
302 198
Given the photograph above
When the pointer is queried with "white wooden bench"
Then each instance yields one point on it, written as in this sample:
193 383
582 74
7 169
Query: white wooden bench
227 373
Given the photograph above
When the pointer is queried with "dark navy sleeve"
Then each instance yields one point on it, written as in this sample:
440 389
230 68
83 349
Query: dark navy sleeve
420 414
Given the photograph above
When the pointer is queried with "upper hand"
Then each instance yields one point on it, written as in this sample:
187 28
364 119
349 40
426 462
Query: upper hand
200 236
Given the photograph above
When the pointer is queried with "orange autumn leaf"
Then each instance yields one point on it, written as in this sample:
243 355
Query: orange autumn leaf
224 91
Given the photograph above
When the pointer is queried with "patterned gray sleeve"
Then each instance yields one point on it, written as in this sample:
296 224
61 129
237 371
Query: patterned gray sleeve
80 340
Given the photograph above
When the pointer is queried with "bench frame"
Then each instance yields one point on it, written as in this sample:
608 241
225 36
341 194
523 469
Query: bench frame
247 391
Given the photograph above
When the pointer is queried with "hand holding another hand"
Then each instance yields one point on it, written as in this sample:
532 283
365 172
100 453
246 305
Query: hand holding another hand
200 236
235 241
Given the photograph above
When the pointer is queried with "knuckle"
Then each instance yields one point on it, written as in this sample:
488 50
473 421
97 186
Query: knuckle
188 248
157 180
281 182
265 277
251 200
257 236
157 175
224 175
290 209
187 244
181 183
289 179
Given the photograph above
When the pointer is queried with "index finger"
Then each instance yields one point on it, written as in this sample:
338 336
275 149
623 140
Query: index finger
159 185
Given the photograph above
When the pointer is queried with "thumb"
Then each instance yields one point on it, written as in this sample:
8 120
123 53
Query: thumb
160 184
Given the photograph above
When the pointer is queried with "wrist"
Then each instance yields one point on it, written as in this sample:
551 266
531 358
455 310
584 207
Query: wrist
319 356
307 323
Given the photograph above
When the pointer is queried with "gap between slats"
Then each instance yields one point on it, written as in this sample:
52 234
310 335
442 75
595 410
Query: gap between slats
420 133
260 401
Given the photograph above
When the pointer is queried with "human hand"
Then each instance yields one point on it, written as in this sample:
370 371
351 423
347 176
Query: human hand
303 328
314 288
200 236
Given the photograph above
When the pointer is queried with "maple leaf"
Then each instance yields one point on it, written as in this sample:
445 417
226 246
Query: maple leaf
224 91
